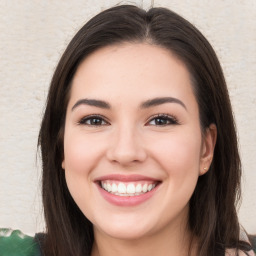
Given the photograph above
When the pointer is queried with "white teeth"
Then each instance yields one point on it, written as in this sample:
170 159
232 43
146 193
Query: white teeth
121 188
114 188
145 188
126 189
150 186
109 187
130 188
138 188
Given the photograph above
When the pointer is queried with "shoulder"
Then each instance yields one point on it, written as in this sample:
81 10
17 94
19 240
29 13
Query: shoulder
14 242
243 237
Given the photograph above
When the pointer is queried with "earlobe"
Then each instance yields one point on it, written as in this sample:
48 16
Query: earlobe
203 171
208 145
63 164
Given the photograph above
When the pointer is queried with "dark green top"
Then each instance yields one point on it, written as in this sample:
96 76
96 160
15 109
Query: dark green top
15 243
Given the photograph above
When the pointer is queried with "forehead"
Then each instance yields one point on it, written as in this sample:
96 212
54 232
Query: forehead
131 71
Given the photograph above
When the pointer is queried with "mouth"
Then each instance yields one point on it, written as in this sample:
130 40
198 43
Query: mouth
119 188
127 190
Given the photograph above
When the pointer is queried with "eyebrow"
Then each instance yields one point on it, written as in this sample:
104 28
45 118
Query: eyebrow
92 102
145 104
163 100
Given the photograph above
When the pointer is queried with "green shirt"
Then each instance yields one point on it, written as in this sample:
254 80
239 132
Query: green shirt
15 243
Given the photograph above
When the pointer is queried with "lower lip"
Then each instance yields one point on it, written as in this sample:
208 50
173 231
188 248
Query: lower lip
126 200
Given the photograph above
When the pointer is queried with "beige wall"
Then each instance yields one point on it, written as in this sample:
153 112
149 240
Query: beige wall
33 35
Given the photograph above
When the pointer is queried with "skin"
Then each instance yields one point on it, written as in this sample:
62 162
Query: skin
128 140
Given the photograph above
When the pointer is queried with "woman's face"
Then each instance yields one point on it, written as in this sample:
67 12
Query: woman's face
133 147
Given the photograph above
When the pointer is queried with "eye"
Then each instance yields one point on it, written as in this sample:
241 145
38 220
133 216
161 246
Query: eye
93 120
162 120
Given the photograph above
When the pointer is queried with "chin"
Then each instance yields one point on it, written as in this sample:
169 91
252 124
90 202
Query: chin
127 234
124 230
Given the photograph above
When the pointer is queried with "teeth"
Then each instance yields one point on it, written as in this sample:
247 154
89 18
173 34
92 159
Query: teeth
127 189
121 188
114 188
109 187
145 188
130 189
138 188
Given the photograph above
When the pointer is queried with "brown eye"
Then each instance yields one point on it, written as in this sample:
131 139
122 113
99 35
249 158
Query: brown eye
93 121
162 120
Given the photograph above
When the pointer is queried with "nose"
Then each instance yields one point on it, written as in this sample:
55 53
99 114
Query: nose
126 147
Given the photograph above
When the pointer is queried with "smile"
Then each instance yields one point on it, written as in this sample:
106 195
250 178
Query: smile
126 191
127 188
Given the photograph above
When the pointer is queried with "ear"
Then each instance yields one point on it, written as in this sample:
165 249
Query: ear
207 148
63 164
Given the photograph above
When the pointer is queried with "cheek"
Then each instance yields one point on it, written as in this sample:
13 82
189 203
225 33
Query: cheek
181 150
81 153
81 156
181 163
179 157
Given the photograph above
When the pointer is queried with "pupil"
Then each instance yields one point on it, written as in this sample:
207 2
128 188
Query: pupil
160 121
96 121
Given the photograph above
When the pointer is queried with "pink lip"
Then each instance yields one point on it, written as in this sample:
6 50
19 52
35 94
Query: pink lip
125 200
127 178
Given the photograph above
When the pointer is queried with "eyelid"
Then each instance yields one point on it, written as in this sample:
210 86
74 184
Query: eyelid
172 118
83 119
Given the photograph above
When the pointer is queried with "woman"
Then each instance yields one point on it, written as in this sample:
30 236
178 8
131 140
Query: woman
138 142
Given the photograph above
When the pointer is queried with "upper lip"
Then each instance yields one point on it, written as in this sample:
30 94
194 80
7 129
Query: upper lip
125 178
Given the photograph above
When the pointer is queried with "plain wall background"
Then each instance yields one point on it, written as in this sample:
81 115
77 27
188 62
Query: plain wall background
33 35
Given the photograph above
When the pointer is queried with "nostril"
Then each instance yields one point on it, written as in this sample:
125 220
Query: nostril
125 155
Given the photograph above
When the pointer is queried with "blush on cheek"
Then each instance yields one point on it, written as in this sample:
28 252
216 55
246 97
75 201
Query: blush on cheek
77 155
181 153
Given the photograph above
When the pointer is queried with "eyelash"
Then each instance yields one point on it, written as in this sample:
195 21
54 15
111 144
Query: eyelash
95 117
168 120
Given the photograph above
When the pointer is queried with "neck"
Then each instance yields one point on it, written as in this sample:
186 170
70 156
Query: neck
171 242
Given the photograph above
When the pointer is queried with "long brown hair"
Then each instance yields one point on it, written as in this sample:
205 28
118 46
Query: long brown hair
212 217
